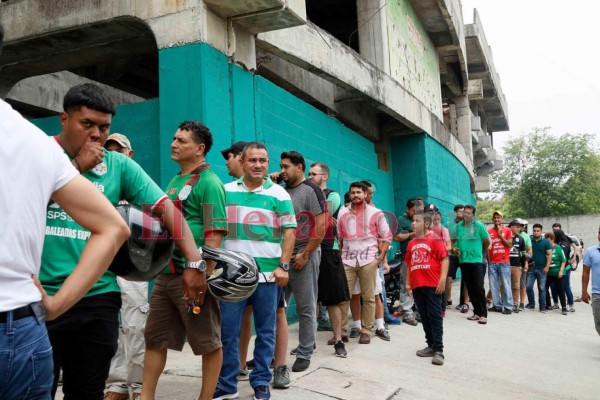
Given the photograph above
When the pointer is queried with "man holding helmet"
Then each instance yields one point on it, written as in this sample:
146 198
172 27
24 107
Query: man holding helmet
261 222
199 194
84 339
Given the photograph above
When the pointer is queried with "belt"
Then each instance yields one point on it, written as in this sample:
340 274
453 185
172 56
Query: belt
18 313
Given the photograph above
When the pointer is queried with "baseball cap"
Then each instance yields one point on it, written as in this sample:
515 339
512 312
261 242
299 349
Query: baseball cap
121 139
521 221
499 213
431 208
235 149
514 222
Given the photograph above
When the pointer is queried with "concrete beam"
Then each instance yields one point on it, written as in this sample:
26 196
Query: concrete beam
373 33
482 184
475 89
317 51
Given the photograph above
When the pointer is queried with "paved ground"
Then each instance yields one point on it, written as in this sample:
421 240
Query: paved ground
521 356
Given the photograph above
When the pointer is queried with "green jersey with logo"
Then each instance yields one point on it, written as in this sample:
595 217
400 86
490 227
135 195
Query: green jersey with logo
119 178
204 209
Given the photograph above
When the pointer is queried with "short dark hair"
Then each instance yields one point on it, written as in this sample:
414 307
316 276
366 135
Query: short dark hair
200 133
347 197
556 225
458 207
295 158
359 184
88 95
538 226
414 201
254 145
367 183
471 207
323 167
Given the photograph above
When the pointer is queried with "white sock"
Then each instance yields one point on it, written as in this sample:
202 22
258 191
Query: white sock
379 323
358 324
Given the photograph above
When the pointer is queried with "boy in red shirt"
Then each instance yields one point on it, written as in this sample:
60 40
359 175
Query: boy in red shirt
427 260
499 265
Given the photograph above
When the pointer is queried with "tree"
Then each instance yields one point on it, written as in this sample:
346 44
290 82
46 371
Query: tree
545 175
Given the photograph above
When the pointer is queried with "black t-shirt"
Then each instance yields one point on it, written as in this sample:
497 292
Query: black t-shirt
517 251
566 249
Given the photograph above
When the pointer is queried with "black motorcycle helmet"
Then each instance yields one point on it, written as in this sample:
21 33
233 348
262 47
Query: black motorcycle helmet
147 250
235 276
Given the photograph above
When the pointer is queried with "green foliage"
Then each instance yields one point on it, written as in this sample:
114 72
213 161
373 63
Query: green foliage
486 207
545 175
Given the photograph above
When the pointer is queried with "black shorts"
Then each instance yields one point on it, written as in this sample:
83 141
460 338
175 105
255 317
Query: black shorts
333 286
452 266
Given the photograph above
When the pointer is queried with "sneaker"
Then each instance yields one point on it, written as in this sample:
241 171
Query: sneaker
354 333
516 309
482 320
324 325
564 311
393 320
281 377
549 308
223 395
571 309
116 396
410 320
555 307
300 365
459 307
417 316
426 352
543 311
383 334
438 358
262 393
494 309
243 374
530 306
464 309
506 311
340 350
522 306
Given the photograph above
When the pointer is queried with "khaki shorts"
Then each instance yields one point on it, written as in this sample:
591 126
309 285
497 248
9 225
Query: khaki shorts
169 321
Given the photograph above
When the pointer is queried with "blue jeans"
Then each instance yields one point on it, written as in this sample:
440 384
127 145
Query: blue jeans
26 368
264 301
500 273
568 291
539 275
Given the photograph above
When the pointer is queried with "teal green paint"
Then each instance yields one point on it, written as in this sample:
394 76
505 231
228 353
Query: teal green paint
137 121
243 105
423 167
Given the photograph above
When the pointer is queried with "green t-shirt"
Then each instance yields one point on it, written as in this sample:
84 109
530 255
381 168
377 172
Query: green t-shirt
119 178
526 238
404 226
469 240
204 210
558 257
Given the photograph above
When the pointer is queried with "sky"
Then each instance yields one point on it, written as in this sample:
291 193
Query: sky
547 55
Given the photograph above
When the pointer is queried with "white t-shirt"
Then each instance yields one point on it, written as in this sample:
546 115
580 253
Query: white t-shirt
32 167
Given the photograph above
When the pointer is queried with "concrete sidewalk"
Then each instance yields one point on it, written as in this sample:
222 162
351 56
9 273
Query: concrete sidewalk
527 355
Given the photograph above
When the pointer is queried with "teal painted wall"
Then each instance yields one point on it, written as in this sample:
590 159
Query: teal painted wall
428 170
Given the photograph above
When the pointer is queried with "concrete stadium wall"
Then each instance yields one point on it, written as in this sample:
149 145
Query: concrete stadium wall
583 226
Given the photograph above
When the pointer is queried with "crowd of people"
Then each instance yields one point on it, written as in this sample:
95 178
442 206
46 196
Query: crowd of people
103 338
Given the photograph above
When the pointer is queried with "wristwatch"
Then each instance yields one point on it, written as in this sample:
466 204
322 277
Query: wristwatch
199 265
285 266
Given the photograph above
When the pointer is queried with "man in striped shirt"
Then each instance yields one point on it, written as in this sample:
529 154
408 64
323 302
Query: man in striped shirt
261 222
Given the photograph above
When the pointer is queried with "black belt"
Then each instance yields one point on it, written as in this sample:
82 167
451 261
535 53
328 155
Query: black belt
18 313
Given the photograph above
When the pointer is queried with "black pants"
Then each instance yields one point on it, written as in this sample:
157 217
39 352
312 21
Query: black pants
84 340
473 276
429 305
559 286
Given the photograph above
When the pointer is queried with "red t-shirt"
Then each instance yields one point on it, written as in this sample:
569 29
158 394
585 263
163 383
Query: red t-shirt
424 259
499 253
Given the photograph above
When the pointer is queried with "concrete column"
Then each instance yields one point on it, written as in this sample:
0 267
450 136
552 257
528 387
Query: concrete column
463 123
372 32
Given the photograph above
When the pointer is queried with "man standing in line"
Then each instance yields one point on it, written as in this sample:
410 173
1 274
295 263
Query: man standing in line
309 206
538 268
45 174
232 156
85 339
499 265
453 262
364 239
472 241
333 286
517 263
253 198
591 266
404 235
200 195
127 366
